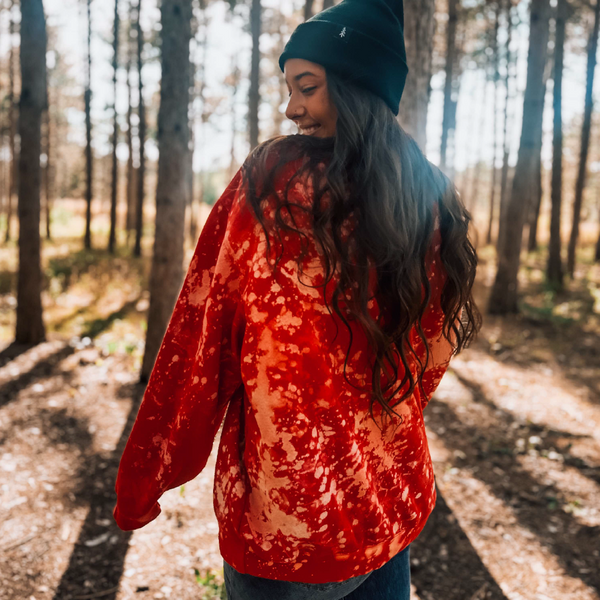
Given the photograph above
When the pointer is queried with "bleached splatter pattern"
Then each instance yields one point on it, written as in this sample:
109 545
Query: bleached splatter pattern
307 488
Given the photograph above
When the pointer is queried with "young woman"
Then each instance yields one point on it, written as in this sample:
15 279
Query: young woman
323 359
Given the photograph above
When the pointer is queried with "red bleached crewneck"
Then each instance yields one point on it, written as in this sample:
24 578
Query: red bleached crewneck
307 487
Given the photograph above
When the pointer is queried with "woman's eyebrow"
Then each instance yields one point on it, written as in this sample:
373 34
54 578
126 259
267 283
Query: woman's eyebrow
299 77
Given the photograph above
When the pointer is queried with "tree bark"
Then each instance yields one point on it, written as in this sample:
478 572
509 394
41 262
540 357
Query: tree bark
30 325
555 267
254 94
308 9
496 79
192 127
141 174
506 137
12 124
597 252
503 298
46 168
419 33
112 237
449 114
171 194
130 219
235 82
534 215
585 142
88 128
476 180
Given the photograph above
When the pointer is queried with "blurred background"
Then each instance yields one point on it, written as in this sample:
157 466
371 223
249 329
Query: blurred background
121 124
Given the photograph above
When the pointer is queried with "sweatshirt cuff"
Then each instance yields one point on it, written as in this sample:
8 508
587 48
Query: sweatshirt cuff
128 523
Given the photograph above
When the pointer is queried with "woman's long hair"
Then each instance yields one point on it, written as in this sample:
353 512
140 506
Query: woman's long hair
376 171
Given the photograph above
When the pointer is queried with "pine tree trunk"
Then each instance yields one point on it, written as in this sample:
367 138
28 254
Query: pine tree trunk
141 174
496 63
597 252
112 238
130 218
476 180
585 142
88 128
236 76
171 194
30 325
555 267
505 135
254 94
308 9
279 117
192 128
503 298
534 216
449 115
12 124
201 117
419 30
46 167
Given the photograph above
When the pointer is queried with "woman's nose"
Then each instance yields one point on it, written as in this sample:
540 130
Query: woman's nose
293 110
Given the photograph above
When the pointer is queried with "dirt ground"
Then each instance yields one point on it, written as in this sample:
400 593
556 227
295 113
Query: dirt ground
514 431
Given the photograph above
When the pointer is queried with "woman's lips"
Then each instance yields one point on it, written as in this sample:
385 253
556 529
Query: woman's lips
310 130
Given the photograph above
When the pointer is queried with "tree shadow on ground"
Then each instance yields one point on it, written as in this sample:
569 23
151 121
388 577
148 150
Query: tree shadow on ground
42 369
489 451
47 366
99 554
442 555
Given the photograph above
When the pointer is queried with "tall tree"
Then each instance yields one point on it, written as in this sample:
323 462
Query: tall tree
449 113
419 29
503 298
30 324
555 267
12 122
597 252
195 25
479 138
234 80
308 9
88 130
505 135
200 116
46 150
254 94
496 64
115 163
141 174
534 214
171 194
130 219
585 141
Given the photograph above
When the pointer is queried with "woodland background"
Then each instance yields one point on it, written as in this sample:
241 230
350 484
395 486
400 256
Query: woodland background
100 210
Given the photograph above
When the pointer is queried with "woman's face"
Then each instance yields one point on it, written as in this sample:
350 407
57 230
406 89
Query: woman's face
309 100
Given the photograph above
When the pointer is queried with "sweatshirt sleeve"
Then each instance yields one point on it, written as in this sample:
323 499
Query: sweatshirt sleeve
196 371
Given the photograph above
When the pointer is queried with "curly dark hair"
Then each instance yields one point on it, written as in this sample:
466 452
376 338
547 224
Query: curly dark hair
376 171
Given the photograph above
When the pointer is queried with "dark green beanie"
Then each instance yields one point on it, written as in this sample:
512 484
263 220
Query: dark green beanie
361 40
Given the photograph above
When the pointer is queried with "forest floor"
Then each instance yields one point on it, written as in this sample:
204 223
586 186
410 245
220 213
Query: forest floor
514 431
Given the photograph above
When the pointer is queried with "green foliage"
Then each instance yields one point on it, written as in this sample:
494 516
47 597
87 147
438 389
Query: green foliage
212 588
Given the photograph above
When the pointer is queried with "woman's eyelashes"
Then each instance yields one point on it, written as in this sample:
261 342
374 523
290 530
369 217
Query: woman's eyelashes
304 90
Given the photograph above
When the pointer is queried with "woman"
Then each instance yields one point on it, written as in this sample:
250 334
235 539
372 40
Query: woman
315 498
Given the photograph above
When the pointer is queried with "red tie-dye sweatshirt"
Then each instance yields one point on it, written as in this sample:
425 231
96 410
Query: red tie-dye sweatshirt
307 488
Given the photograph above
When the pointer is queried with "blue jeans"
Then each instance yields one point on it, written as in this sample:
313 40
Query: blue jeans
390 582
